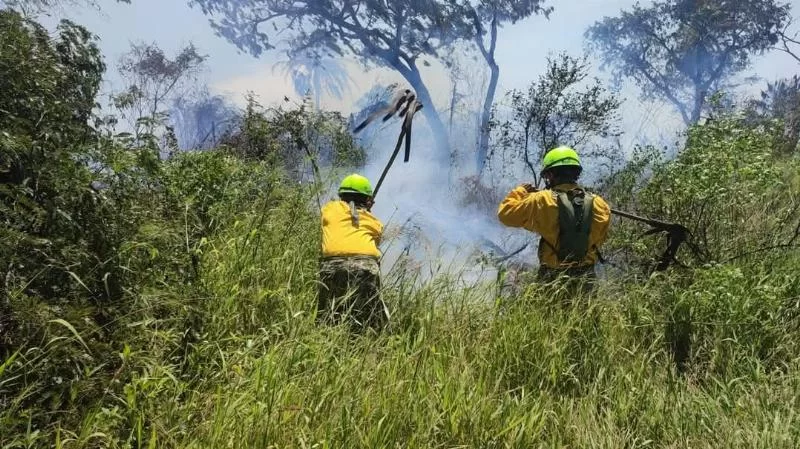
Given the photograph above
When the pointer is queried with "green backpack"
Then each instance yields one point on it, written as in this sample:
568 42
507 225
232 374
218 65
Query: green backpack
574 224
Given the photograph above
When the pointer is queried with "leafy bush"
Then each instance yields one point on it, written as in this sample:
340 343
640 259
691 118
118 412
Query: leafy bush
737 198
294 138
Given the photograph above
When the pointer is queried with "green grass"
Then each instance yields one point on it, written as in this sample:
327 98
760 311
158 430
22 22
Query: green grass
238 362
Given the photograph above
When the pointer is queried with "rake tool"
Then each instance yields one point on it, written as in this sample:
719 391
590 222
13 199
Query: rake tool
405 105
676 235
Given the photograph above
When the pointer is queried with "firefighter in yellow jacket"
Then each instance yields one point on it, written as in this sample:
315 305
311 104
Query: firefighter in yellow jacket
349 269
571 222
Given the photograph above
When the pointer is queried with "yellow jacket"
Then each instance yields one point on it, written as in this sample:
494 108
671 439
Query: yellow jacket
341 237
538 212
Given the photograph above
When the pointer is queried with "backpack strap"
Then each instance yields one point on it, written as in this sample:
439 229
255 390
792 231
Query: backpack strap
354 214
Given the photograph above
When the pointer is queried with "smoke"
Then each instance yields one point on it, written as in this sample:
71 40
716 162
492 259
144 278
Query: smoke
428 224
200 121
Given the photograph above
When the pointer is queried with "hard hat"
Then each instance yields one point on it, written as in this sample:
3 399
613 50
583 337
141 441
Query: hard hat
559 157
356 184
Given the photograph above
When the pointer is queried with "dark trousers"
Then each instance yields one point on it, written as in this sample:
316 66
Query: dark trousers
349 291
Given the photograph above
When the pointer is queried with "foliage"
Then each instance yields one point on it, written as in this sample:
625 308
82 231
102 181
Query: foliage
683 51
48 207
727 185
558 110
153 79
314 75
295 138
780 101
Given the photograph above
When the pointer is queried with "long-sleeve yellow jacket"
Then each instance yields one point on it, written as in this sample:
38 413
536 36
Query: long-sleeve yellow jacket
538 212
342 236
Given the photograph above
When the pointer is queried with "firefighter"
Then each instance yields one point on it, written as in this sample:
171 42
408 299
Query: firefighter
349 289
571 222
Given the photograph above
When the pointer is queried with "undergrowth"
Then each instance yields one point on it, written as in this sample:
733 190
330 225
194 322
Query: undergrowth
151 303
701 358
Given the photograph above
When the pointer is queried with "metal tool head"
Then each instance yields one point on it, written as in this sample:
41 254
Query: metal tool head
404 97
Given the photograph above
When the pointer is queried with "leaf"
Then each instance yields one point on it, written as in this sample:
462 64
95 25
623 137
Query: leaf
71 329
75 276
8 362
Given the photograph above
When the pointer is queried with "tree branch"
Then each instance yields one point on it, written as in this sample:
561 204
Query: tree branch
666 91
476 20
493 44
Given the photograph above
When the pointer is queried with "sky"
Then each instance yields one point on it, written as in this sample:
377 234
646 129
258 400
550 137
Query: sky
521 53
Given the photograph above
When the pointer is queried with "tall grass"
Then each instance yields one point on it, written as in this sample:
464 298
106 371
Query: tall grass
245 366
228 354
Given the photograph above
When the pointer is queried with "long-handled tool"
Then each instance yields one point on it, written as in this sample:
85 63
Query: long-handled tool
676 235
407 104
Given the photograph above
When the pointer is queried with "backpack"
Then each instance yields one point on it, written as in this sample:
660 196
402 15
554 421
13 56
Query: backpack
575 211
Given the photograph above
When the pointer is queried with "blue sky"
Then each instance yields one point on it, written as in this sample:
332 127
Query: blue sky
521 52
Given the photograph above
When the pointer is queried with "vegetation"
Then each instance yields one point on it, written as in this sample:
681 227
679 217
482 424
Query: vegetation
683 51
152 302
554 111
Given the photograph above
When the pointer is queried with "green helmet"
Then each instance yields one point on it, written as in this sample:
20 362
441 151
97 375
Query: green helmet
561 156
356 184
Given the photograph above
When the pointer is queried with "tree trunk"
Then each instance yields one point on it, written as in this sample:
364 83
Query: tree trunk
699 104
486 115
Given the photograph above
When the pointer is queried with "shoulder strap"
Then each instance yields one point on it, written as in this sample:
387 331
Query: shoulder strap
354 214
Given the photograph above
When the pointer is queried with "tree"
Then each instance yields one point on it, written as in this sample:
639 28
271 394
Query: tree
315 75
201 120
555 111
487 17
682 51
398 34
781 101
36 7
152 79
49 87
